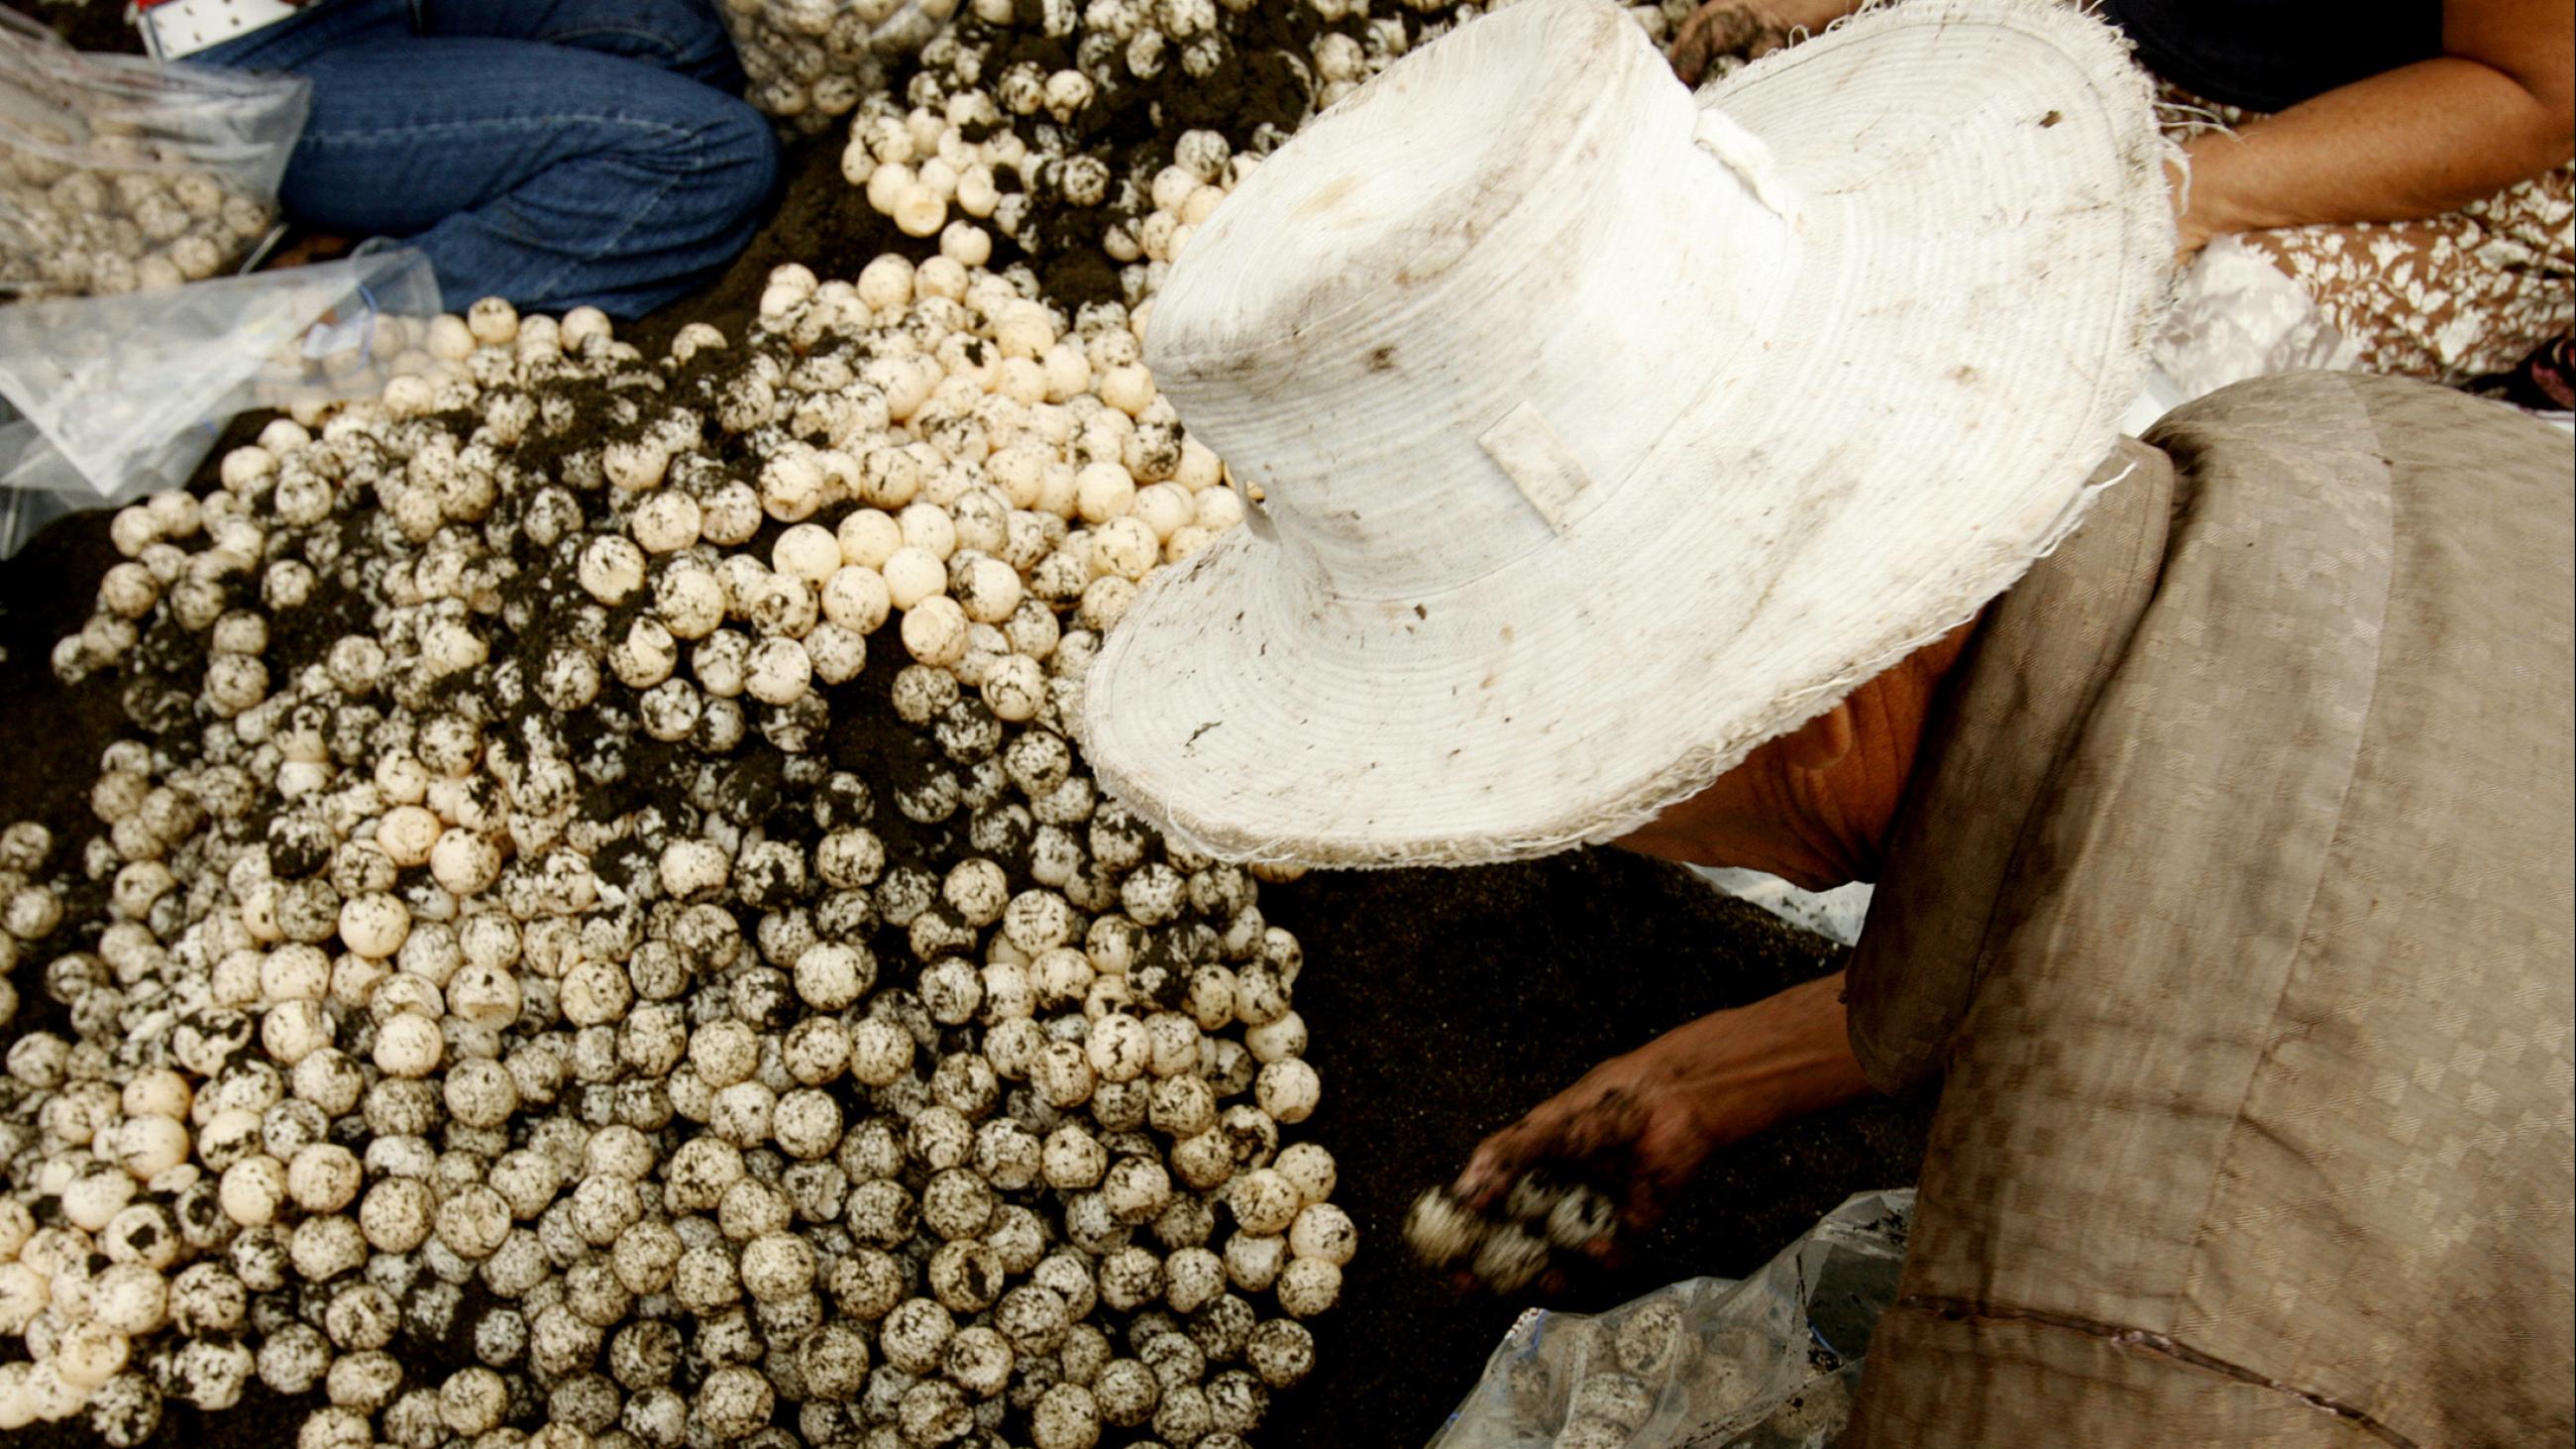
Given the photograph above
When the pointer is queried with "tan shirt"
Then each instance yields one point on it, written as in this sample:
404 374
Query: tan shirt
2231 904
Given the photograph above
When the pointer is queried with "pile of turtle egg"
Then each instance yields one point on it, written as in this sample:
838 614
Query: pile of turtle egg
598 935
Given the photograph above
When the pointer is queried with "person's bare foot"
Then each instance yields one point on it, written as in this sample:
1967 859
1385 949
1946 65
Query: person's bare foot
1639 1126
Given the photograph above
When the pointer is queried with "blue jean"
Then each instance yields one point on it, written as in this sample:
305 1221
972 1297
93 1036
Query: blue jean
554 152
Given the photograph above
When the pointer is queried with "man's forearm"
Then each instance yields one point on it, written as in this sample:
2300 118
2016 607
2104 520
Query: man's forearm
1776 1060
2413 142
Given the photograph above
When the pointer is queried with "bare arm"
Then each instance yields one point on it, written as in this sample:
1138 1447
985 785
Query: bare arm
1652 1116
2498 108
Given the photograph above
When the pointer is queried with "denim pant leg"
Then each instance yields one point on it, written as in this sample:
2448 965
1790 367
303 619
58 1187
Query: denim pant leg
317 29
683 36
552 175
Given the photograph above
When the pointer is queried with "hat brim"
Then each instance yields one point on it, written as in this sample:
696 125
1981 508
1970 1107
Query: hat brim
1985 240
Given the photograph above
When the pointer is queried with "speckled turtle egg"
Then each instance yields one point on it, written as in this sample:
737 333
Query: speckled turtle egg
1192 1279
1509 1259
1189 1221
1587 1432
1309 1168
1073 1159
1531 1198
1288 1089
1136 1189
880 1052
966 1276
1654 1342
1068 1275
967 1083
1182 1417
1276 1040
1153 894
1253 1261
1261 997
1442 1231
1018 1237
1126 1392
1060 975
1616 1397
1162 1345
1204 1161
1176 1039
951 988
1326 1232
870 1151
867 1284
1032 1317
1281 1351
1007 1155
1183 1106
776 1266
915 1334
1308 1286
817 1052
1120 1048
1237 1402
1066 1417
979 1361
1264 1201
881 1213
833 1360
933 1411
1223 1329
1581 1218
1036 921
1062 1074
956 1204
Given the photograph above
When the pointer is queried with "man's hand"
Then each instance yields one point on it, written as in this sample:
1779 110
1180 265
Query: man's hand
1639 1126
1628 1127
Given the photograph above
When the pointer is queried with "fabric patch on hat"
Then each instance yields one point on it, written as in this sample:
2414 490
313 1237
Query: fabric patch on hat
1537 461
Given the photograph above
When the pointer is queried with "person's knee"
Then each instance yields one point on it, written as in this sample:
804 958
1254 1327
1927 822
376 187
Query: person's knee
693 40
710 166
733 161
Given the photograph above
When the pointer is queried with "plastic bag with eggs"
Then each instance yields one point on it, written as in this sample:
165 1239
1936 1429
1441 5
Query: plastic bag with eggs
103 399
811 61
120 174
1770 1362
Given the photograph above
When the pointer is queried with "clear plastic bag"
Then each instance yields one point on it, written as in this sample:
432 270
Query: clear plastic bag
2235 315
813 61
1835 914
1770 1362
114 397
118 172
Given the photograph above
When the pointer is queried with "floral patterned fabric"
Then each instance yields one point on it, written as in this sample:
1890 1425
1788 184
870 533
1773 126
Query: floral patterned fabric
2472 291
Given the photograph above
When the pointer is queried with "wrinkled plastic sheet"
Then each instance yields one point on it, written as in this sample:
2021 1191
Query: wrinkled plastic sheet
1770 1362
110 398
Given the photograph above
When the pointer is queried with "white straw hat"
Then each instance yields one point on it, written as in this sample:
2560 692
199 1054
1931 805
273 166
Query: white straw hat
1606 432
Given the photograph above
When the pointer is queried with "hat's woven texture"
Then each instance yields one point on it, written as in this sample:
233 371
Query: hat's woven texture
1606 432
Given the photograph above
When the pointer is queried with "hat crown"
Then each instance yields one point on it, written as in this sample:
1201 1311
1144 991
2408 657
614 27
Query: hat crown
1445 322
